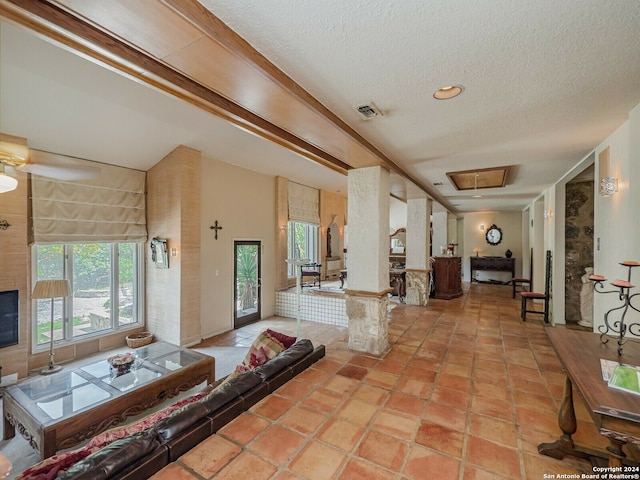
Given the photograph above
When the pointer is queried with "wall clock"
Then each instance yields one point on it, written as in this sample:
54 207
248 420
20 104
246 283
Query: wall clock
494 235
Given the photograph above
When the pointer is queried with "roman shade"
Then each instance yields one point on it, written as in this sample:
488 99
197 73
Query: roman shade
304 204
107 208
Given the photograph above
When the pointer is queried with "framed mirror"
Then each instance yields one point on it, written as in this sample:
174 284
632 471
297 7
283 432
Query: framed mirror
398 242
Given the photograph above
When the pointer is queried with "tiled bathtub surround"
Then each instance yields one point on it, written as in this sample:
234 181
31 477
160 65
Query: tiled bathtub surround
326 308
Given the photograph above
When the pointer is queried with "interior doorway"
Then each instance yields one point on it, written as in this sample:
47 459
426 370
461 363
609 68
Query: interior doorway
247 282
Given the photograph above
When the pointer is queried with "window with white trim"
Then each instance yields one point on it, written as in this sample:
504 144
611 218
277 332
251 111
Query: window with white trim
302 242
107 294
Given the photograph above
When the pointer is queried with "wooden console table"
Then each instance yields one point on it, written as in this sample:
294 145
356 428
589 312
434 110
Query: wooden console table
616 414
493 264
60 410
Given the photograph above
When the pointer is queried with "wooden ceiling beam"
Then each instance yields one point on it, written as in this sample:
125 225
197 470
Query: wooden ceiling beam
55 21
73 33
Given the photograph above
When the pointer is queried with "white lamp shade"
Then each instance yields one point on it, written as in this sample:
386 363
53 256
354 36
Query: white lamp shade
7 183
51 289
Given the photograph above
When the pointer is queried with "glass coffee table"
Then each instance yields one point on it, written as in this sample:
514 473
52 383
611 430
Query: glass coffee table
61 410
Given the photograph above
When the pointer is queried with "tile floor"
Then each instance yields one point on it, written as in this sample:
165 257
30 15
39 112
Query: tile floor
466 392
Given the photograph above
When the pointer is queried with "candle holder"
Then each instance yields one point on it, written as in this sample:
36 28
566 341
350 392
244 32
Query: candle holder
623 288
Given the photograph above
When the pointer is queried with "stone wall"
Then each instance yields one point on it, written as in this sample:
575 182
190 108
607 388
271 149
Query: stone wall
578 243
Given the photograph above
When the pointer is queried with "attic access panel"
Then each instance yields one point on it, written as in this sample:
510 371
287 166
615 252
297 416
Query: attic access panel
480 178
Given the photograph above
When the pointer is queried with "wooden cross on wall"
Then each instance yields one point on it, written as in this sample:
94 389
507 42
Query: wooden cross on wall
216 227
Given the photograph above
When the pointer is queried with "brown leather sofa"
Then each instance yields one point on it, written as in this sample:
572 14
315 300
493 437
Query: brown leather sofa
141 455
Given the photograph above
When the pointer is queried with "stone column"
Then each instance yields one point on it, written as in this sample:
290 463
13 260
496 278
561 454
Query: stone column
417 266
367 295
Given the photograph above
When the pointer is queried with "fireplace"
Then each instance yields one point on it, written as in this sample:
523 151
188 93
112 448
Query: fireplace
8 318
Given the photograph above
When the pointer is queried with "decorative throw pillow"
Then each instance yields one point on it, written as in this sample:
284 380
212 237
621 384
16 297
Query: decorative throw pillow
270 345
286 340
258 358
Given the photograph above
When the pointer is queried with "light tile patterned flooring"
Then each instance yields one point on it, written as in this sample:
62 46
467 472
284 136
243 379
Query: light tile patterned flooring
466 392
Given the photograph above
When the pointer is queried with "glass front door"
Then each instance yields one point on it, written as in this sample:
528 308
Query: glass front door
247 278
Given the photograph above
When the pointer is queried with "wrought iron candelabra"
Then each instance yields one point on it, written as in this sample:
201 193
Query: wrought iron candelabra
623 288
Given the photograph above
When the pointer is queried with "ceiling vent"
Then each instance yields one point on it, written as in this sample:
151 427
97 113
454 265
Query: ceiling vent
368 111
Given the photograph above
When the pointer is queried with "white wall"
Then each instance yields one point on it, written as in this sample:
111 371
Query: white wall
397 214
243 202
511 225
439 224
537 242
616 223
616 218
526 244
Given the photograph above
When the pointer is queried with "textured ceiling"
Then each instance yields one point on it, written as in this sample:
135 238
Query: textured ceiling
545 82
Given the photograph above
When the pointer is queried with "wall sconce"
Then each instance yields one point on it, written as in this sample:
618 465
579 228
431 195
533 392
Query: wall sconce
548 214
482 227
283 228
608 186
608 183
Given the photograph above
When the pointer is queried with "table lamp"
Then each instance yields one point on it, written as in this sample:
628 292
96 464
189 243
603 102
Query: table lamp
51 289
476 251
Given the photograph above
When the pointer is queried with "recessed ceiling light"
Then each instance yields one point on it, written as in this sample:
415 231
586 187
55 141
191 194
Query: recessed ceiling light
445 93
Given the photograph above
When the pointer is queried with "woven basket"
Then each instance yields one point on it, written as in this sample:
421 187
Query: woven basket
139 339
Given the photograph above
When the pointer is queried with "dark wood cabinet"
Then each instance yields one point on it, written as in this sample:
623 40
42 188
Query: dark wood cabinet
493 264
447 272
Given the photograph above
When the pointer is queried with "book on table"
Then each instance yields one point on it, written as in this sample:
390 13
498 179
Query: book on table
625 378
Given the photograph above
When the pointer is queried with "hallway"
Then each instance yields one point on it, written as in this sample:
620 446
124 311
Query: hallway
467 391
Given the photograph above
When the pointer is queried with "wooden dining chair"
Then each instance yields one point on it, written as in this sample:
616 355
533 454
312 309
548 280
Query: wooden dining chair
515 281
311 270
539 296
